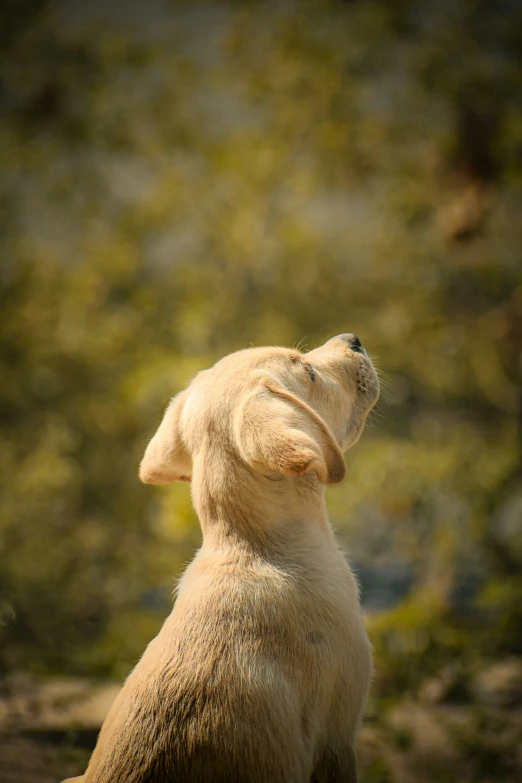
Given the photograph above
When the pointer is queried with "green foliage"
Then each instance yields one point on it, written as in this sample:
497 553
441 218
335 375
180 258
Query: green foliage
377 772
414 640
252 176
489 747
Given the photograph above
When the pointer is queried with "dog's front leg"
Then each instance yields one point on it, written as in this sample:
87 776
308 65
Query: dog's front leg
348 772
337 767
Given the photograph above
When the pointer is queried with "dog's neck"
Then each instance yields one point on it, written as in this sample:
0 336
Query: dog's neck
236 505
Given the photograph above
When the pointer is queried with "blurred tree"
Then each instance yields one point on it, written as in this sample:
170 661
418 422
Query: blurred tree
258 173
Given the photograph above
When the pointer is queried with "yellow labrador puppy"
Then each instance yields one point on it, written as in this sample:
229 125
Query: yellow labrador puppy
260 673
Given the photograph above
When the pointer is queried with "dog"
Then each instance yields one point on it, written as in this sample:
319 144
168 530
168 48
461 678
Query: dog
260 673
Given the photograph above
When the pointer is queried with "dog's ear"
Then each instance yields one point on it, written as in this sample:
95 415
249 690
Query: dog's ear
166 458
275 430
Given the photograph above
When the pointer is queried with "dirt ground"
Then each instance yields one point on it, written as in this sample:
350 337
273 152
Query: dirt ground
47 731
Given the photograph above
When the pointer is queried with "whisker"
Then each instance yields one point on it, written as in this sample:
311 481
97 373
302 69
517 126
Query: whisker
375 418
383 377
376 413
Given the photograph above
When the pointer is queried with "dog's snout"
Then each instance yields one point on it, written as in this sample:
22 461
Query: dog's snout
353 341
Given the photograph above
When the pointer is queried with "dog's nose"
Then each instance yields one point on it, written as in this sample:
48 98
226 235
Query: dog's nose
353 341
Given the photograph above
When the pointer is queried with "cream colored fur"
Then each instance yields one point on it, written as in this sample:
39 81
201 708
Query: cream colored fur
260 672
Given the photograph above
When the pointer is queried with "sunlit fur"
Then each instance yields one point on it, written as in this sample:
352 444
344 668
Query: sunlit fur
261 671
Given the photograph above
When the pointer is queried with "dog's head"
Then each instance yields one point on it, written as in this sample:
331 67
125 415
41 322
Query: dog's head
276 410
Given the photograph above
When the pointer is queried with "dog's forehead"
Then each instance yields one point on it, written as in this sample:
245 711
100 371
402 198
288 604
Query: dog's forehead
254 358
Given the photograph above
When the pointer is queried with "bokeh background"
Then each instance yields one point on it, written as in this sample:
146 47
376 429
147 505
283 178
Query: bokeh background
184 179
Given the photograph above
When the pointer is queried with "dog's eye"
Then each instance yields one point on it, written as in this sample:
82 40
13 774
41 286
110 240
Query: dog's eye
311 372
